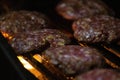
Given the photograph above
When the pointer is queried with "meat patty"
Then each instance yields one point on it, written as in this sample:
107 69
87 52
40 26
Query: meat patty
35 40
99 74
71 59
74 9
23 21
100 28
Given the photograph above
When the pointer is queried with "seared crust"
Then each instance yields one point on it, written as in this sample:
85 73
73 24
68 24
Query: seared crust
74 9
99 74
35 40
101 28
71 59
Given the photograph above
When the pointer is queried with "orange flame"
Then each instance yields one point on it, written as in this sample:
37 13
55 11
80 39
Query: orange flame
6 35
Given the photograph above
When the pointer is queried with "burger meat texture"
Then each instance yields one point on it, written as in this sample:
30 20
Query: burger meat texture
35 40
71 59
95 29
74 9
99 74
23 21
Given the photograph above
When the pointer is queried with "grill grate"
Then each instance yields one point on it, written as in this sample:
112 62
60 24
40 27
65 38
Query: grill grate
111 53
50 72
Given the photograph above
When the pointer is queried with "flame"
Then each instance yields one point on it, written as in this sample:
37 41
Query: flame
6 35
38 58
30 68
25 63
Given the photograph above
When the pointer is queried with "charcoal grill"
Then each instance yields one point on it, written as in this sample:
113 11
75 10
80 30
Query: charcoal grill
11 64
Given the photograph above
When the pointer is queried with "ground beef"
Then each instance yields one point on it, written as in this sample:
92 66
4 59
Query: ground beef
35 40
99 74
71 59
23 21
101 28
74 9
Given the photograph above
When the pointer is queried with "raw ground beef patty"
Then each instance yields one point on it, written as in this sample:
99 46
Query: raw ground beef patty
35 40
71 59
74 9
99 74
100 28
23 21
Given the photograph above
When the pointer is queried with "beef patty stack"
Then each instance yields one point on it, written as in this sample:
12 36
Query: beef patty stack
29 32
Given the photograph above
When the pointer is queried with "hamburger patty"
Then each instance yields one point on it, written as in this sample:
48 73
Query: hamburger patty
74 9
35 40
71 59
23 21
100 28
99 74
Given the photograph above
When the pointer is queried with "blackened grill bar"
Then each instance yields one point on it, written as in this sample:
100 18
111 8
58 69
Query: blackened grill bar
110 52
114 48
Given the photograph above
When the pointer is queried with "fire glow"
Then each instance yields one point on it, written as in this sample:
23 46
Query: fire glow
6 35
30 68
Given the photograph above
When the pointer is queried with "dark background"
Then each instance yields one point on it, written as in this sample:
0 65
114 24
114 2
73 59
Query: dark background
44 6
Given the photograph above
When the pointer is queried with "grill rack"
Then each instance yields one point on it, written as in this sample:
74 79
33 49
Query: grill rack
50 72
111 53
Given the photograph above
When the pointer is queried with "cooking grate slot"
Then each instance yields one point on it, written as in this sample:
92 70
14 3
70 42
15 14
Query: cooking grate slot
111 53
50 72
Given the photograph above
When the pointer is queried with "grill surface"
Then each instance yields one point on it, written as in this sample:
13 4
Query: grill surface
111 52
